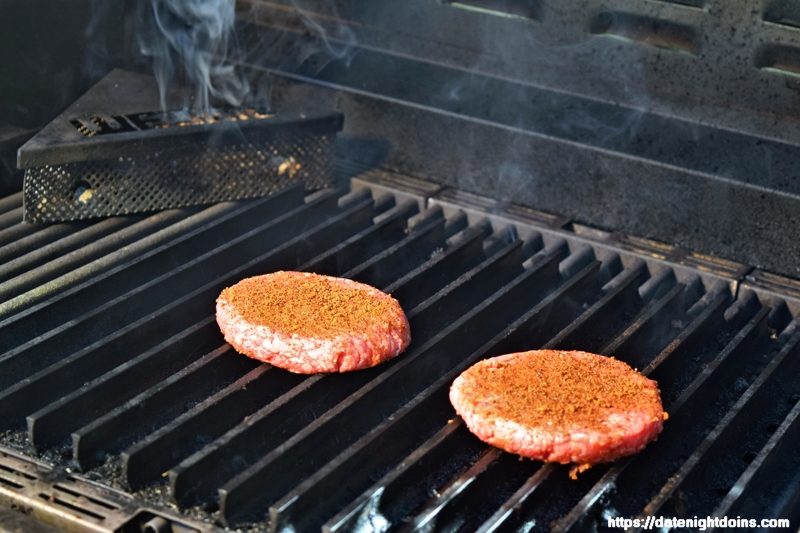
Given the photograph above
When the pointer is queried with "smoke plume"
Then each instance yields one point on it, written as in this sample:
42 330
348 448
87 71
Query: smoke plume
191 41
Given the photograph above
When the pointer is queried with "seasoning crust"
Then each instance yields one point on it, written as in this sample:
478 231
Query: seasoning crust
309 323
559 406
309 304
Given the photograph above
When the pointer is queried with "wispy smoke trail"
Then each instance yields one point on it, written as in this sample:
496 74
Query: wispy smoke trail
191 40
338 45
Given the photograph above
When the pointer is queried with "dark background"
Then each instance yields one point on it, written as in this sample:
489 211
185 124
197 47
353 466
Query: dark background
697 147
51 51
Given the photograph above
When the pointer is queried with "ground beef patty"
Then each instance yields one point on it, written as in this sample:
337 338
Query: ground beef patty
308 323
559 406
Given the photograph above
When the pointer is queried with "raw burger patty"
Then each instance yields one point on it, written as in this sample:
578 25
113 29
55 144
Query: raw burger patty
558 406
308 323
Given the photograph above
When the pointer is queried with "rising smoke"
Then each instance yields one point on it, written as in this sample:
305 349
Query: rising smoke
339 42
191 42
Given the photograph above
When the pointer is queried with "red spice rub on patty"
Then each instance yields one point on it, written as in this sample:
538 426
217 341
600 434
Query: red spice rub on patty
310 323
559 406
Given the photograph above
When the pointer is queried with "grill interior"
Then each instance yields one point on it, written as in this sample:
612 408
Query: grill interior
639 116
112 366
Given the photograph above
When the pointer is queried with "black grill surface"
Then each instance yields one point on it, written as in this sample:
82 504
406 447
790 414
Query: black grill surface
113 372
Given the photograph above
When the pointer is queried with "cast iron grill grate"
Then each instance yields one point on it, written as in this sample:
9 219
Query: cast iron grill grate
118 370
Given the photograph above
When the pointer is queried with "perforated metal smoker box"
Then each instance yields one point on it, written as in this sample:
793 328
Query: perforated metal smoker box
110 153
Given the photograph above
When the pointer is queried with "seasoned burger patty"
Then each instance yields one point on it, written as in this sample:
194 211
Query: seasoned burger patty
308 323
559 406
